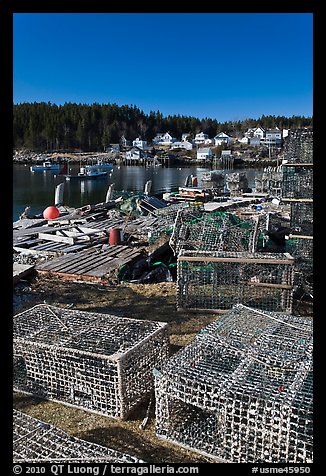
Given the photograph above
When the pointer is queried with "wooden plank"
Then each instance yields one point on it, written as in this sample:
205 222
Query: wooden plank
62 239
301 200
269 285
65 259
36 230
305 237
20 271
235 260
308 164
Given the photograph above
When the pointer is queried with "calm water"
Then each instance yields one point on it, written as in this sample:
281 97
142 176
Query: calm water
37 189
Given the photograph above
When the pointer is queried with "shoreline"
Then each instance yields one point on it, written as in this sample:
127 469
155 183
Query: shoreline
30 158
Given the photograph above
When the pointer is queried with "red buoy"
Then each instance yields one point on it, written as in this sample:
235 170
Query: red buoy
50 213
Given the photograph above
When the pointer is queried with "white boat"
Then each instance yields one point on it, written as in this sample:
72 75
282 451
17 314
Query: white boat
100 167
47 165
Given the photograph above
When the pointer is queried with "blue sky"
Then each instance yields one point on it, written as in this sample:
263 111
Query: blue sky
226 66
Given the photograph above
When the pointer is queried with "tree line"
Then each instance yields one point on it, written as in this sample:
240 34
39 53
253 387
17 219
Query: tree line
92 127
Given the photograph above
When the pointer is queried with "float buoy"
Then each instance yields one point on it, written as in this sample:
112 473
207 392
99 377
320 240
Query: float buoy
51 212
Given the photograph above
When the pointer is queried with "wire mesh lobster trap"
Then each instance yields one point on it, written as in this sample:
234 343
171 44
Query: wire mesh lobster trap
301 221
216 231
298 146
242 391
35 441
301 248
216 281
297 181
99 362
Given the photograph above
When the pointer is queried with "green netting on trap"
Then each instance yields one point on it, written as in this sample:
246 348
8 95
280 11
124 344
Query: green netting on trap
216 281
216 231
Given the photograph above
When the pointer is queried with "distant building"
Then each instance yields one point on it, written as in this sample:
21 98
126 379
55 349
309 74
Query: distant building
200 138
255 141
164 139
138 142
222 138
184 144
186 137
135 153
204 153
124 142
113 148
226 153
255 132
273 137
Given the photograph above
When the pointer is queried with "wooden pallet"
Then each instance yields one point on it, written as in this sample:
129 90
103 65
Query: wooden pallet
19 271
94 264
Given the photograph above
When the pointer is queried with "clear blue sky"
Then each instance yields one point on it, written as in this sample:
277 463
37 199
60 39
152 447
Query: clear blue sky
228 66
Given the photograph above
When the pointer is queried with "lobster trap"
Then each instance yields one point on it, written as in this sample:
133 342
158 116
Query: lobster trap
301 248
98 362
301 221
298 146
297 181
242 391
216 231
216 281
35 441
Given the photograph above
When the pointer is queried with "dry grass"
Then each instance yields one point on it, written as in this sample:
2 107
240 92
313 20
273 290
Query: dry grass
139 301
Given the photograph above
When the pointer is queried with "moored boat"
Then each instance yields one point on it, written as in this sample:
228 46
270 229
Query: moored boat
87 174
47 165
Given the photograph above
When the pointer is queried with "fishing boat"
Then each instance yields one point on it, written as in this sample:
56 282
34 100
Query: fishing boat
87 174
100 166
47 165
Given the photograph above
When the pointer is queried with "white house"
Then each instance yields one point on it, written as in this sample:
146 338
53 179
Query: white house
222 138
244 140
285 133
135 153
186 136
138 142
164 139
204 153
200 138
255 132
273 137
184 144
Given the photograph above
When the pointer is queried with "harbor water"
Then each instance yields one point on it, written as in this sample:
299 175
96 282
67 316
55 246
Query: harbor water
37 189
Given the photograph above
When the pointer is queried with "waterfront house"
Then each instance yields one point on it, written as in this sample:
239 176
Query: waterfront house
204 153
222 138
226 154
273 137
164 139
135 153
184 144
138 142
255 132
200 138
